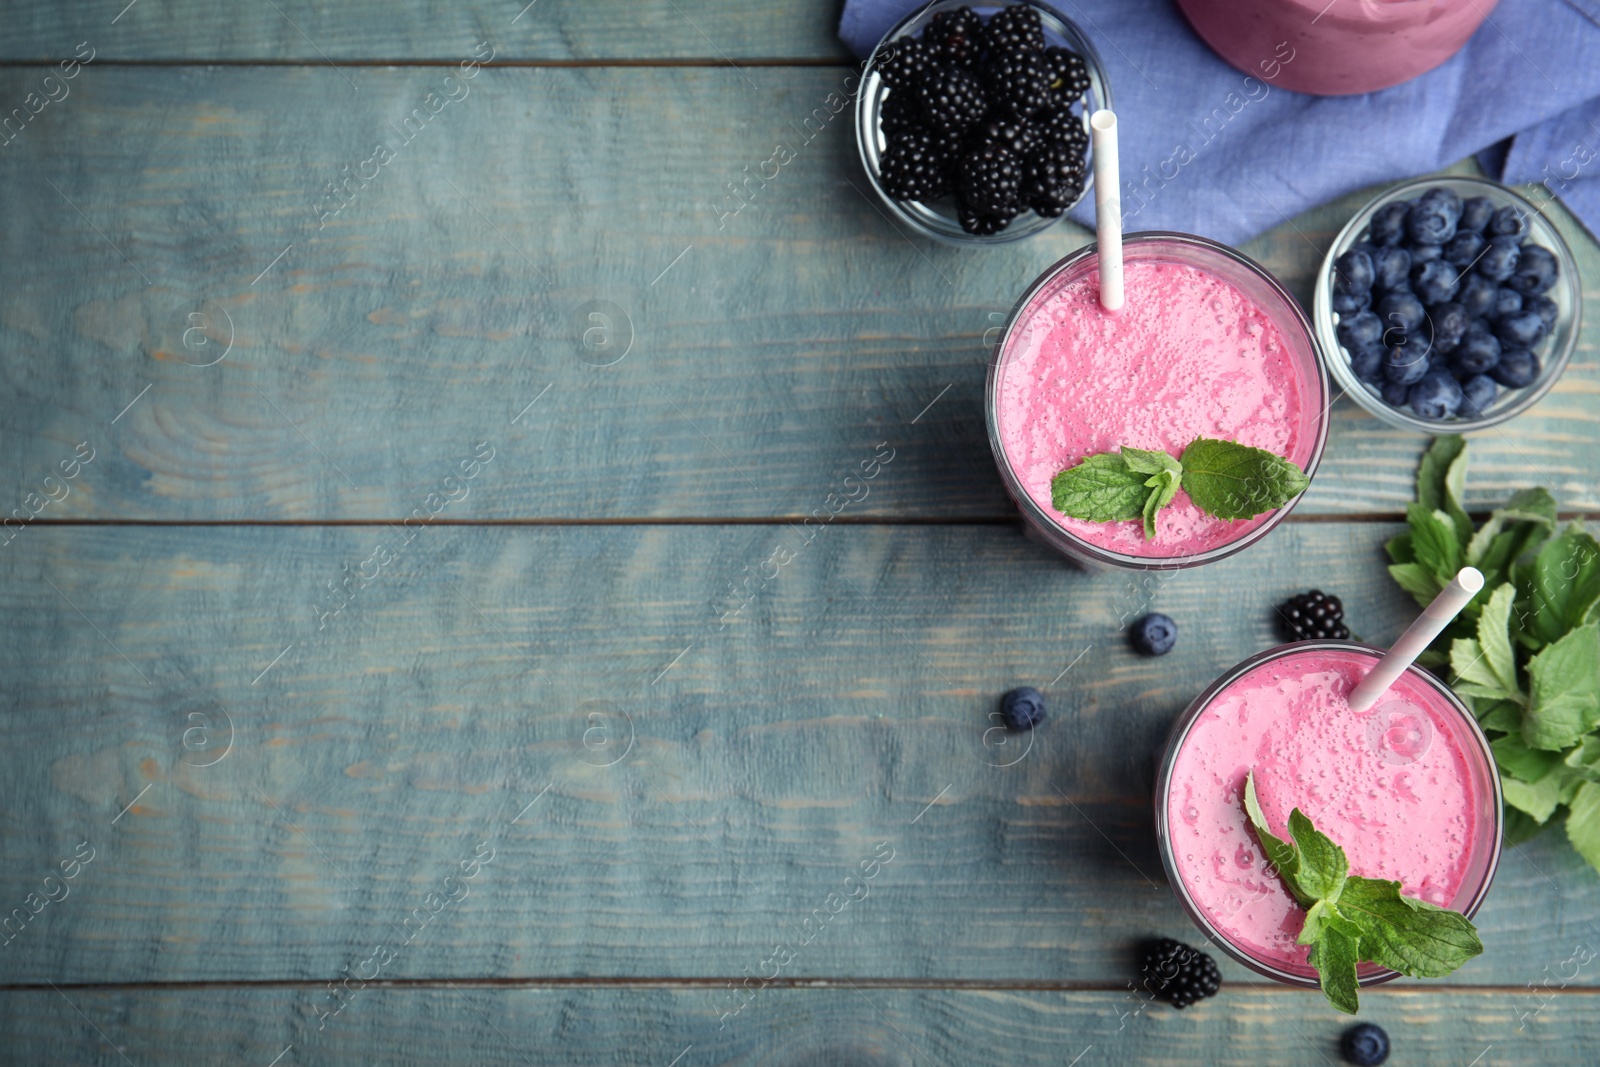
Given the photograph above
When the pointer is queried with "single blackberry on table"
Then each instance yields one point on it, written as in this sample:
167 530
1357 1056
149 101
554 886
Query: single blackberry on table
913 167
905 62
952 99
1014 29
901 110
1069 74
1052 179
983 225
955 36
1313 616
1177 973
989 180
1017 82
1061 125
1018 138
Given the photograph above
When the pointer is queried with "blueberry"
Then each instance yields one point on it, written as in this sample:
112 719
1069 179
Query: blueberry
1436 396
1499 262
1463 249
1477 393
1435 282
1522 330
1506 302
1359 328
1536 271
1402 312
1544 307
1352 272
1425 253
1348 304
1475 214
1022 709
1476 295
1154 635
1389 222
1366 360
1478 351
1391 266
1396 394
1364 1045
1433 220
1405 364
1450 323
1517 367
1508 221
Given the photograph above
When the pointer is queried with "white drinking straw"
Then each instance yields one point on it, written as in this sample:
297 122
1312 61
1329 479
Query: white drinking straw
1418 636
1107 207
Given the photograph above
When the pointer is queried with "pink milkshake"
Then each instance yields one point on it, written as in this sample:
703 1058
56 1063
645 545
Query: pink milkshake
1408 789
1332 49
1208 345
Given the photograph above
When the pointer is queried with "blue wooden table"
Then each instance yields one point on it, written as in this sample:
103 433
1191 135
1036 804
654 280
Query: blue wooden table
456 639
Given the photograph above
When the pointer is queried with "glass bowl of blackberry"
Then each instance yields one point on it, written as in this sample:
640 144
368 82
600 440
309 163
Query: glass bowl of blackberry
972 121
1447 305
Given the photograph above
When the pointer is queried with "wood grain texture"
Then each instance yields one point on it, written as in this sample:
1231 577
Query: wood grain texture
702 781
364 30
833 1027
763 353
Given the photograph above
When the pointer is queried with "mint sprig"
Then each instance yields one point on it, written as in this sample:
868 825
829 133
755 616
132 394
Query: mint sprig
1351 919
1223 478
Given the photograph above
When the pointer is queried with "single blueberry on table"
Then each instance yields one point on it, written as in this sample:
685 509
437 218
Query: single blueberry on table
1435 282
1516 368
1350 303
1450 321
1389 223
1506 302
1508 221
1433 219
1475 214
1391 267
1499 260
1396 394
1366 360
1478 351
1525 329
1022 709
1402 312
1544 307
1154 635
1477 393
1425 253
1359 328
1404 364
1365 1045
1536 270
1463 249
1352 272
1477 295
1436 396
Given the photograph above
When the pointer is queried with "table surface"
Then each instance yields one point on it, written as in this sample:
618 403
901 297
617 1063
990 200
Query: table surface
463 645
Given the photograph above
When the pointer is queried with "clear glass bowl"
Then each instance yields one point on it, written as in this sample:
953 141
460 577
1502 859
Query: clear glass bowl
938 218
1468 737
1254 282
1554 351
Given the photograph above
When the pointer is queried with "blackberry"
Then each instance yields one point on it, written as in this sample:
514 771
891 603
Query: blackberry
906 61
1017 81
1014 29
982 224
913 167
1018 138
1052 179
1069 74
952 99
989 179
900 111
1178 974
1313 616
1061 125
955 37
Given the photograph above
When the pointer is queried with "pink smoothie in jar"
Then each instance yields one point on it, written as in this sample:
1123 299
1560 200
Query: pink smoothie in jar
1339 47
1407 789
1207 345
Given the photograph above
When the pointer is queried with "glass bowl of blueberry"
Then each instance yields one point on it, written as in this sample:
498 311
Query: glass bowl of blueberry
972 122
1448 305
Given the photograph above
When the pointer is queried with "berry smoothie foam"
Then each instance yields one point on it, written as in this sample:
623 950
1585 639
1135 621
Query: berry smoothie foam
1405 789
1190 355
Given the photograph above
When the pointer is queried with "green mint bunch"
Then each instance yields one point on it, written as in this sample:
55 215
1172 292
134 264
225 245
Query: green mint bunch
1223 478
1350 919
1525 654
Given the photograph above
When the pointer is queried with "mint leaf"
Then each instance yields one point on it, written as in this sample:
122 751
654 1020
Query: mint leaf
1520 761
1146 461
1564 690
1455 488
1538 800
1434 491
1474 677
1283 856
1417 580
1399 548
1511 533
1433 541
1323 867
1583 823
1100 489
1335 955
1234 481
1494 637
1562 585
1405 934
1503 715
1584 759
1163 487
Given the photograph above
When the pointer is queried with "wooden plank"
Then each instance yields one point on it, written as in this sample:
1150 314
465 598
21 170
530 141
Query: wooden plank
859 1027
771 350
357 30
702 776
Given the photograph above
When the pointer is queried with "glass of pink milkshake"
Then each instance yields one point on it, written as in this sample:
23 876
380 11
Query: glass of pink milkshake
1339 47
1408 788
1207 345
